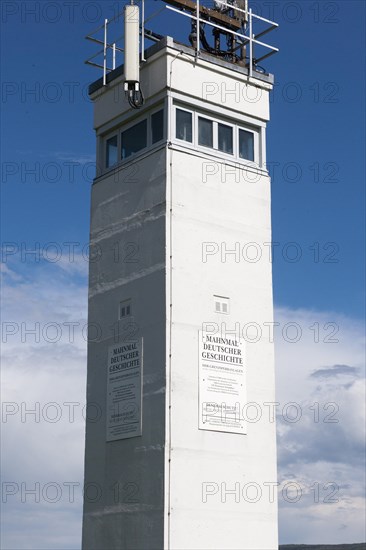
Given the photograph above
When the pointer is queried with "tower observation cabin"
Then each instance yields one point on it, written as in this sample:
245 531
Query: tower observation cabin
181 451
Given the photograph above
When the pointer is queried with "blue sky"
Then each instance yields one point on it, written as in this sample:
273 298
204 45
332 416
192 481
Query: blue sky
317 114
315 147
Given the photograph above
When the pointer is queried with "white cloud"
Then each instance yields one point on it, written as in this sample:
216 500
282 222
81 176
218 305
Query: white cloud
72 157
43 393
79 265
323 372
38 373
9 273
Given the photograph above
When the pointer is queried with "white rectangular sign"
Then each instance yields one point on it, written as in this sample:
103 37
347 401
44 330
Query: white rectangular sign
124 390
222 388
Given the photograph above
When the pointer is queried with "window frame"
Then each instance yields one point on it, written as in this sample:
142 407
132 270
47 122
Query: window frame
214 132
192 113
256 143
150 130
105 155
125 129
117 131
234 141
236 126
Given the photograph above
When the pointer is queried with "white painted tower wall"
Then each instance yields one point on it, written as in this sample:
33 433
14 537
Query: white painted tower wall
176 487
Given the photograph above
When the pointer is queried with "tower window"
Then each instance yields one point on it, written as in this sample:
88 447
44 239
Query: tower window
134 139
184 125
125 309
157 126
220 137
111 151
205 132
222 304
225 138
246 145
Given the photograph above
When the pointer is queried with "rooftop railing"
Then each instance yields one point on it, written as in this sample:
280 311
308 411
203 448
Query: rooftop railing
112 48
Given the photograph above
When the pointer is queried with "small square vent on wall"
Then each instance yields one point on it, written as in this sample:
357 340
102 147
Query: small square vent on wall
222 304
125 309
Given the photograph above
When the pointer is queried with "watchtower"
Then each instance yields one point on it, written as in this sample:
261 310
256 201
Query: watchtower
180 211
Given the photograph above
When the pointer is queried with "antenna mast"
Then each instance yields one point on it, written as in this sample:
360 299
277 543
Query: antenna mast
132 56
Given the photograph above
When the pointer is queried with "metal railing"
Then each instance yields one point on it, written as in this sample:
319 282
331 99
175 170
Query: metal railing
250 38
106 47
109 50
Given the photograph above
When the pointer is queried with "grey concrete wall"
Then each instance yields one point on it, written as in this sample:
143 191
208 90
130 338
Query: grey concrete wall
130 472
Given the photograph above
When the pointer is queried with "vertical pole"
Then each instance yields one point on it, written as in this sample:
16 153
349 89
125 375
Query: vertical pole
143 31
250 43
114 55
105 53
198 27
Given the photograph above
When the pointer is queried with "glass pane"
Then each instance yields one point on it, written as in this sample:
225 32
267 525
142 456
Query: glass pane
111 151
157 126
205 136
246 145
184 125
225 138
134 139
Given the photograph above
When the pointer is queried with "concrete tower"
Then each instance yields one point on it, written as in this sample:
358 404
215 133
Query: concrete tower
180 446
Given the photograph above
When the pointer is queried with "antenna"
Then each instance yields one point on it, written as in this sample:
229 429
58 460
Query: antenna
236 37
132 56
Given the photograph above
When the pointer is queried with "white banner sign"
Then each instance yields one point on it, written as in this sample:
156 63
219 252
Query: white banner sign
124 390
222 390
